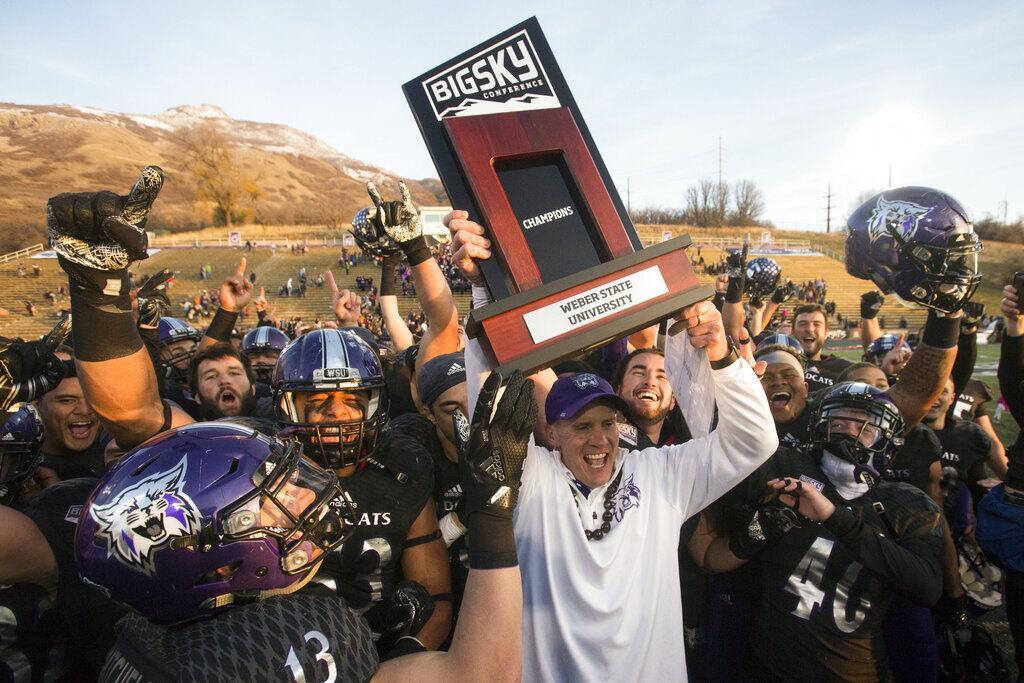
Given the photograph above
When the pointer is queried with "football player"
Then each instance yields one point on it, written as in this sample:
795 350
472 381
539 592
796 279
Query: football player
835 544
330 394
810 328
224 384
262 346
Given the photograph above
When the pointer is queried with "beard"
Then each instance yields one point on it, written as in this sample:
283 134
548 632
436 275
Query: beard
213 412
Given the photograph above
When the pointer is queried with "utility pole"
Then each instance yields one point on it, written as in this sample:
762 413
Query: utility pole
828 209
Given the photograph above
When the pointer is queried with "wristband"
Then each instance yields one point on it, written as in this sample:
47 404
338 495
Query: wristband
416 250
101 321
734 292
387 275
221 326
451 528
492 544
261 315
941 332
744 547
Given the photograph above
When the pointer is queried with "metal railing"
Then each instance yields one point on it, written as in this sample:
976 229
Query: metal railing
21 253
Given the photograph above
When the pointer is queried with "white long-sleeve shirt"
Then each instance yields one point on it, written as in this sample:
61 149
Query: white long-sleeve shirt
610 609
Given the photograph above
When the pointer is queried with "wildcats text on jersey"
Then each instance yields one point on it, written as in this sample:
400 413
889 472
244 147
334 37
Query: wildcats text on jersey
504 76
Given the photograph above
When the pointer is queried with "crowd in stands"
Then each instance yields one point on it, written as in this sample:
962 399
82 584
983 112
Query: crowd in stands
715 497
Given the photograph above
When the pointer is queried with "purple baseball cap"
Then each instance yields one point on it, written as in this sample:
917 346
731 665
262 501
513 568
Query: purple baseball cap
572 393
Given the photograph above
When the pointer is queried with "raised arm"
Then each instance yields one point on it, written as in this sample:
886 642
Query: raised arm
96 236
1011 357
401 337
870 304
235 295
926 372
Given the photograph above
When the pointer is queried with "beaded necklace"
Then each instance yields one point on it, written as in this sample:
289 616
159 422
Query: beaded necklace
606 524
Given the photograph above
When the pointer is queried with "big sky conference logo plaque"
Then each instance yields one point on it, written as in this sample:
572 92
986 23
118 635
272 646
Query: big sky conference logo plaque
502 77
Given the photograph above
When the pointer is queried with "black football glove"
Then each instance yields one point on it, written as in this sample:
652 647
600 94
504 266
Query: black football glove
871 304
492 464
736 269
152 299
768 523
974 311
406 611
30 369
784 293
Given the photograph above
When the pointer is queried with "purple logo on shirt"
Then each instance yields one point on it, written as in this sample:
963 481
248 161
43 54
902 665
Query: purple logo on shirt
628 496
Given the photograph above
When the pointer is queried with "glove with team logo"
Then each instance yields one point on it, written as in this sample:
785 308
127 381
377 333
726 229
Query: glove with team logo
400 220
407 610
96 236
30 369
768 523
492 464
736 269
871 304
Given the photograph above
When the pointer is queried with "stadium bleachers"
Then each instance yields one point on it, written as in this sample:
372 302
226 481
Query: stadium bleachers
274 268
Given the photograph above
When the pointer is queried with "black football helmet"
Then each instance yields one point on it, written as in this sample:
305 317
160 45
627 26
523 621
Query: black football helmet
20 439
169 331
858 423
264 339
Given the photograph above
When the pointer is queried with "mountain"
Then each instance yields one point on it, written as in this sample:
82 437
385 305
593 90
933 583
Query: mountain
48 149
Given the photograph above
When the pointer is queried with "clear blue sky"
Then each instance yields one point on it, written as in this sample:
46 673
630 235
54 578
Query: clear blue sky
802 93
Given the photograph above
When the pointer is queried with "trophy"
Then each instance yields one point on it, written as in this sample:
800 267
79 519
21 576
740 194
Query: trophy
510 146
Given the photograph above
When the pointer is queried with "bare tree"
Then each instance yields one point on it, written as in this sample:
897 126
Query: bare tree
748 202
707 202
211 161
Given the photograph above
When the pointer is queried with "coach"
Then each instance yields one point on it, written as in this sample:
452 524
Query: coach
597 526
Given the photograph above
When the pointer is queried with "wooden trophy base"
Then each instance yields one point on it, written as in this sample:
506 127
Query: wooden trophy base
557 320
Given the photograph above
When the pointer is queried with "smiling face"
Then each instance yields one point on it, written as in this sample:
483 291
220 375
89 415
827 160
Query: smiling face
587 443
223 386
69 423
645 388
786 390
810 330
942 403
341 413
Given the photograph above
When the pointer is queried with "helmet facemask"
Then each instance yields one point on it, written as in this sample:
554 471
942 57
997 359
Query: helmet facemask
341 443
945 278
859 430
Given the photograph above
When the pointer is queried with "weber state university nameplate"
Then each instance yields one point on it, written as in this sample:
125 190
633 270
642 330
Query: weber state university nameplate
511 148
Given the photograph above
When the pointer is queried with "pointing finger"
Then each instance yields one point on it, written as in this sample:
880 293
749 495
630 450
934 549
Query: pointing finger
240 271
332 284
263 293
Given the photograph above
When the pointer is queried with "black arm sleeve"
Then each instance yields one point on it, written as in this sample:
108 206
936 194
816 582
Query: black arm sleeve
1011 370
963 366
912 564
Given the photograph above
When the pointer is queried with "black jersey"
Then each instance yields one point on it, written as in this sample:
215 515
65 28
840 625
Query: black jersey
827 587
964 445
796 433
913 460
385 497
33 640
309 636
88 614
821 374
970 403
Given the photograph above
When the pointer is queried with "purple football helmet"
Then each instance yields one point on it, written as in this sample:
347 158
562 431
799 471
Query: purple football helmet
312 374
859 423
918 243
264 340
762 277
20 438
206 516
878 348
175 362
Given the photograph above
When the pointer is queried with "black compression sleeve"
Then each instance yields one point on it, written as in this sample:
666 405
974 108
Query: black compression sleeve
101 322
941 332
416 250
387 274
491 542
221 326
1011 372
912 566
963 366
